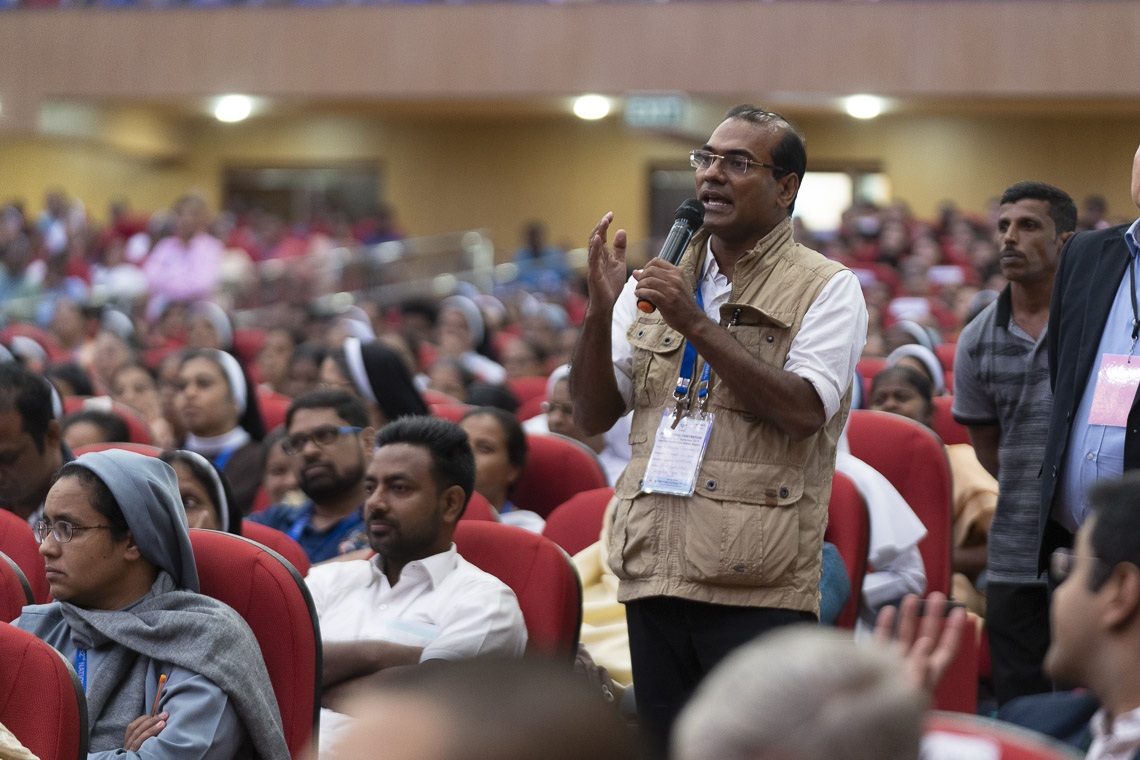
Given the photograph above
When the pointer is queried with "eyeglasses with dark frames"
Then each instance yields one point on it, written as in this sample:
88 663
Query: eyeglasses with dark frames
322 436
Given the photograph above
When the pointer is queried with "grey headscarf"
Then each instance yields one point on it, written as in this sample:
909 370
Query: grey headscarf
171 624
147 492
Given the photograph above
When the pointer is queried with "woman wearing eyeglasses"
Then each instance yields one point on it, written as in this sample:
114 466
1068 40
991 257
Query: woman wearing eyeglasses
167 671
217 406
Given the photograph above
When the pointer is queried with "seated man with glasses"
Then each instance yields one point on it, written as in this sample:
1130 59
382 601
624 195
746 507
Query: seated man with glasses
167 672
1095 615
328 437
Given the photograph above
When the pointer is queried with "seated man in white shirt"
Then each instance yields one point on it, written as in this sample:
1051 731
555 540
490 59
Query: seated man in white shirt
417 599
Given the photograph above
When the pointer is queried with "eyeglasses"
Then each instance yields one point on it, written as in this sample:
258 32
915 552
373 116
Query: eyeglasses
553 406
62 531
734 164
321 436
1062 562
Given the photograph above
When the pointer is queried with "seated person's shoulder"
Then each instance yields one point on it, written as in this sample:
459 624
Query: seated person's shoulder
1063 715
279 516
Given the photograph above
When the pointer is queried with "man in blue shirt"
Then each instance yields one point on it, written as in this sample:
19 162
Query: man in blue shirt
1094 323
328 436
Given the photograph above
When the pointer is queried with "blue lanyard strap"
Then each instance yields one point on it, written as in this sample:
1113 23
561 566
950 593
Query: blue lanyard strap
223 457
81 667
689 359
300 523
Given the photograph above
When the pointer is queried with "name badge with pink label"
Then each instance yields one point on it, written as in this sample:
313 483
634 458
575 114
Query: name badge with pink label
1116 384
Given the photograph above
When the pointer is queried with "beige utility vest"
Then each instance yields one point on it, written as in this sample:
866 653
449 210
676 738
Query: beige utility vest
752 534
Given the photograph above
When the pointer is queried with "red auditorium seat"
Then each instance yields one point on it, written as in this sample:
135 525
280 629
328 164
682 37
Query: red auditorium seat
41 700
958 735
577 522
944 424
849 528
15 593
273 599
912 458
556 469
278 542
19 543
138 430
541 575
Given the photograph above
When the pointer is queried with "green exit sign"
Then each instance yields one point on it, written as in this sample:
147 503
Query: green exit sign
656 110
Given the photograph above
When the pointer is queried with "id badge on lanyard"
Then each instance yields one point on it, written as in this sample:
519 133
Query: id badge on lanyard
682 436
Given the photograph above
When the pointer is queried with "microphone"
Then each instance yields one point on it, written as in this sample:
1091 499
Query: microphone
688 219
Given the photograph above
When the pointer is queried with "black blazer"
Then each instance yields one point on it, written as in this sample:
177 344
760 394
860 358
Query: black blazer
1091 267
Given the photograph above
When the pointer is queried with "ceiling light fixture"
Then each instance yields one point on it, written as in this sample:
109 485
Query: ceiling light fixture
231 108
864 106
592 107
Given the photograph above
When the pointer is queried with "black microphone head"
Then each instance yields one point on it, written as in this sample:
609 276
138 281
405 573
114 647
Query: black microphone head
692 212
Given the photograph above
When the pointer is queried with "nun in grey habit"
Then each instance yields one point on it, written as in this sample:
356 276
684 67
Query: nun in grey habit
217 695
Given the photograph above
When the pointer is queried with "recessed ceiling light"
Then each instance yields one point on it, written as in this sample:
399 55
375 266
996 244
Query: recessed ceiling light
864 106
231 108
592 107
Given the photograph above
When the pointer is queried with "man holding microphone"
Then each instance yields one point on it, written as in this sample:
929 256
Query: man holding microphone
738 367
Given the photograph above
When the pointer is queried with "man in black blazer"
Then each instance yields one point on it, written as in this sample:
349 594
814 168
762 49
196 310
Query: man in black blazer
1094 366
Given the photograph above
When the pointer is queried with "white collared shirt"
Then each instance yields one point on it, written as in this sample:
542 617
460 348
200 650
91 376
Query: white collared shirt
1116 741
442 603
824 351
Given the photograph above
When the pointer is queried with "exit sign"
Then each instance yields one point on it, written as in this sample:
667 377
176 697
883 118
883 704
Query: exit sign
656 110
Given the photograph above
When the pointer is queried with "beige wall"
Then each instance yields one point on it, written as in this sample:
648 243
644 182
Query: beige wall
447 175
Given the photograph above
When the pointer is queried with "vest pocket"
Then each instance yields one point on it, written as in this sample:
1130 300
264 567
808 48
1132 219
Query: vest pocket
656 348
739 543
767 336
632 549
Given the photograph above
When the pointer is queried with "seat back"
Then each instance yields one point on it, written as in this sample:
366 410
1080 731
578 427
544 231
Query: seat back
942 421
279 542
557 468
270 595
577 522
478 508
15 593
541 575
912 458
138 430
958 689
454 411
273 407
19 543
961 735
849 528
526 388
41 700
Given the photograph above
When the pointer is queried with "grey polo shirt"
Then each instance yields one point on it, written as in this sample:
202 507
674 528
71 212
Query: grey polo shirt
1001 377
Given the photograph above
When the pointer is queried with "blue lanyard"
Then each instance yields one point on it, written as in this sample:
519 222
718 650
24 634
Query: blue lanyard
689 359
81 667
300 523
223 457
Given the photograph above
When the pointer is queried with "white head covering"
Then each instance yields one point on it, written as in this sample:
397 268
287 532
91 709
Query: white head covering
219 491
928 359
354 357
357 324
470 311
236 377
217 317
560 373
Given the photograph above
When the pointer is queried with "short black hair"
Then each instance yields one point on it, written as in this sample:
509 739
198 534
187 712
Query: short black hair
1062 209
74 375
453 462
30 396
1115 535
113 426
348 407
102 499
512 431
790 153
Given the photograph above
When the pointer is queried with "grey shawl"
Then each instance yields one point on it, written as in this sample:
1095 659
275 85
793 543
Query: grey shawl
172 624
